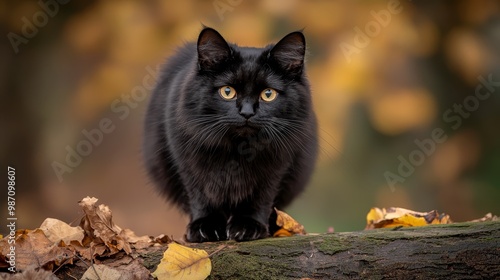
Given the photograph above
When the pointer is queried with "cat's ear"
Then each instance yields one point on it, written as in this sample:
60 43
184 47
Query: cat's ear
212 49
289 52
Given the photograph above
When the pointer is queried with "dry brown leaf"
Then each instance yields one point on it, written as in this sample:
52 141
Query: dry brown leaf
100 271
129 267
163 239
33 248
131 237
57 230
102 237
98 224
486 218
125 268
88 251
83 251
288 225
183 263
138 242
32 273
394 217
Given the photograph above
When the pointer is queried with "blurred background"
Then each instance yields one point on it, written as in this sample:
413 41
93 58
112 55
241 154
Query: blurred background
386 75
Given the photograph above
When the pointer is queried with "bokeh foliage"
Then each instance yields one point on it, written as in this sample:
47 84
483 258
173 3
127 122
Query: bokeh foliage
372 104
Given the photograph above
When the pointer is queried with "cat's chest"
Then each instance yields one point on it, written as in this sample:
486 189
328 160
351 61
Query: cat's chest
236 169
236 164
230 181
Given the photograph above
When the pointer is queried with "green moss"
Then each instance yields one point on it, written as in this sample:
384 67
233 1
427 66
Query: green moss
152 259
332 244
253 266
477 226
383 236
270 258
290 246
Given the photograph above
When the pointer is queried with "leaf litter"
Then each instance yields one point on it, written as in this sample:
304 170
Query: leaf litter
400 217
94 241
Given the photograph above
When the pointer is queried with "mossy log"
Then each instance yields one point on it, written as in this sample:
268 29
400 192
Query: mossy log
455 251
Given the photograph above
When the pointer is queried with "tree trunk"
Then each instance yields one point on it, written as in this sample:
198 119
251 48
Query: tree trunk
455 251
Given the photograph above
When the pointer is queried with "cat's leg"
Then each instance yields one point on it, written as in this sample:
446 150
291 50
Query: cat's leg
273 227
206 229
207 223
249 221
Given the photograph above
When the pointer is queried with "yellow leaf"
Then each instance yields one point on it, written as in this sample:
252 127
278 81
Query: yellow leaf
183 263
394 217
288 225
282 233
374 215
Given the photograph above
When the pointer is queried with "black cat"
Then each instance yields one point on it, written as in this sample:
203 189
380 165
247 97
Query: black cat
230 133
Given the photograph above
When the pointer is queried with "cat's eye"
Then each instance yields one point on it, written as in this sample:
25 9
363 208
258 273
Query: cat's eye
268 94
227 92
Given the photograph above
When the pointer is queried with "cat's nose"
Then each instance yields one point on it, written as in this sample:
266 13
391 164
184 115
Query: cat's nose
247 110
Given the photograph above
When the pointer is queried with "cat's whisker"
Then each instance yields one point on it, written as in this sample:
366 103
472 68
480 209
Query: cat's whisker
194 138
210 136
280 140
297 128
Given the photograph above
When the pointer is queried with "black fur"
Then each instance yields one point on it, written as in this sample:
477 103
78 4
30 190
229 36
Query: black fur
227 163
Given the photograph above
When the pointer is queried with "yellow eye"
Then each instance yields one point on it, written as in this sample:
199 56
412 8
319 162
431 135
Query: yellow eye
227 92
268 94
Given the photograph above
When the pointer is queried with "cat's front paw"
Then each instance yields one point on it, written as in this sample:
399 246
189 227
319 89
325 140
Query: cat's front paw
206 229
246 229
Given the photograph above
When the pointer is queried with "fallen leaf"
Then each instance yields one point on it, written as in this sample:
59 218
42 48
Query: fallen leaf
394 217
487 217
57 230
288 226
88 251
183 263
163 239
98 224
138 242
282 233
101 236
32 273
32 247
100 271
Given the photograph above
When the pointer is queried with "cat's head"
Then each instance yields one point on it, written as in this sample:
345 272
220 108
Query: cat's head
243 91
